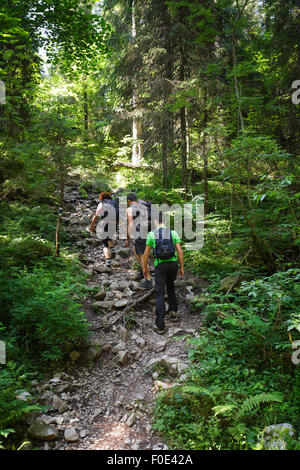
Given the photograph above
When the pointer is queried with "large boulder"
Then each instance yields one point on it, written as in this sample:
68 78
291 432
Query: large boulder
232 282
42 431
275 436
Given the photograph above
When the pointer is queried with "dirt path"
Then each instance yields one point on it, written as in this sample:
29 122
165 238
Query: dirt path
106 402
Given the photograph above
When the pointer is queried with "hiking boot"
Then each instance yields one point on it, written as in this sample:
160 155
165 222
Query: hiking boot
159 331
146 284
108 263
174 316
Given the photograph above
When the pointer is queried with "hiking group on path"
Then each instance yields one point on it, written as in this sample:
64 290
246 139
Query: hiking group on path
164 242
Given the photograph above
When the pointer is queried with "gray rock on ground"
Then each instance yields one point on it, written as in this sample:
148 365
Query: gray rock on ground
103 305
42 431
122 358
274 436
59 404
70 435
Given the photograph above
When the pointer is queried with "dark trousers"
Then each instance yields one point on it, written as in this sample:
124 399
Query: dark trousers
165 275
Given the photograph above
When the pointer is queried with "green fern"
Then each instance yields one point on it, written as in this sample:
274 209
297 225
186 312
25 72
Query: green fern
237 431
253 402
226 408
195 389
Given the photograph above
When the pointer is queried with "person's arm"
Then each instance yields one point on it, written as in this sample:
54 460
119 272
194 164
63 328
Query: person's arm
93 222
145 259
98 212
180 258
129 225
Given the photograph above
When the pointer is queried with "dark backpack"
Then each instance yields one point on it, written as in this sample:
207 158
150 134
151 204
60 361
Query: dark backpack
164 246
148 205
115 203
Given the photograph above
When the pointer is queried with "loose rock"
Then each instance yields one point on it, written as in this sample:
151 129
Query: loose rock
122 358
42 431
71 435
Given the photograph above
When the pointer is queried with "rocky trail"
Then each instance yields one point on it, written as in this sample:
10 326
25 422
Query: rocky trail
104 397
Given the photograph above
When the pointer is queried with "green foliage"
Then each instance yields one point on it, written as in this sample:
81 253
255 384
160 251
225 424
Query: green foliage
95 184
195 417
12 410
253 402
41 317
243 360
83 193
23 251
130 320
22 221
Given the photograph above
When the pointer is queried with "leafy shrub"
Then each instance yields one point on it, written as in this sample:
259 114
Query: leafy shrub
195 417
12 381
19 221
82 192
243 359
23 251
40 314
96 184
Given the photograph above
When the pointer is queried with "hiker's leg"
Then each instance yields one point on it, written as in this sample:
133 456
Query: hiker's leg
139 260
160 282
106 250
139 274
140 246
134 252
148 277
171 276
106 242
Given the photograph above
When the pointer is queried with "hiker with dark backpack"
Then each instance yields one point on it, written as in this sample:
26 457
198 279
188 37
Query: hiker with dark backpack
165 244
137 230
108 211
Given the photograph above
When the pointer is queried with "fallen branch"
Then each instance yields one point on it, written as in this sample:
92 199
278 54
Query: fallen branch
130 306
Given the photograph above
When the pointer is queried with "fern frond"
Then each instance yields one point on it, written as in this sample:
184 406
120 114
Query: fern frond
198 390
252 402
237 430
223 409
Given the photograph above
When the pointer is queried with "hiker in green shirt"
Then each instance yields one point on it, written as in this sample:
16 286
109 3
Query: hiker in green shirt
164 243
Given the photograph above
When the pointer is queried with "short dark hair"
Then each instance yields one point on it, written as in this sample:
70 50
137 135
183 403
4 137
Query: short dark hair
131 197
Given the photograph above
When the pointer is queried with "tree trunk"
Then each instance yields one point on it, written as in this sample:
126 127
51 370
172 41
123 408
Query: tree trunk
183 147
236 83
205 163
164 146
298 42
167 123
85 110
57 233
136 134
136 122
183 123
